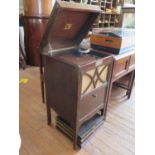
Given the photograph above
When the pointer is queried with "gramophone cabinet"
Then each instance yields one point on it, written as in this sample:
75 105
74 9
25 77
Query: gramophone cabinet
75 85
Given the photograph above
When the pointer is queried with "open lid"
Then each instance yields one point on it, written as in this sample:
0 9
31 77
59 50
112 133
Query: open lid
68 24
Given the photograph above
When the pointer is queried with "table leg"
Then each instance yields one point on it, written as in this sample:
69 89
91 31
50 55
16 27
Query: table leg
131 84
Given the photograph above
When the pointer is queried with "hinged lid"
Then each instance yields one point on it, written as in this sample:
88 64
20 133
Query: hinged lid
68 24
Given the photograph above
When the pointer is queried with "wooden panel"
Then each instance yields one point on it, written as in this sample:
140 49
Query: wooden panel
61 81
94 78
33 29
121 67
66 28
91 102
68 24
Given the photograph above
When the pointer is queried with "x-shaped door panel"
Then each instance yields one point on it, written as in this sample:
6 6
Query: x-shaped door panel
94 78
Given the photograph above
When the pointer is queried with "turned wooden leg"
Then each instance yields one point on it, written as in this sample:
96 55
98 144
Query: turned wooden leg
48 115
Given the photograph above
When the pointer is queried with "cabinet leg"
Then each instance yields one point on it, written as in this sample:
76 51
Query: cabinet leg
48 115
107 100
41 79
75 146
75 143
42 91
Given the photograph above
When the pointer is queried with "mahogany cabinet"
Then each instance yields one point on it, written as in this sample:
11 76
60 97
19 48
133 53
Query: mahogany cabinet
76 82
76 86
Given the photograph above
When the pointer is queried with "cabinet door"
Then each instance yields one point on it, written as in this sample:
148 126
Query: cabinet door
121 67
92 102
94 78
93 90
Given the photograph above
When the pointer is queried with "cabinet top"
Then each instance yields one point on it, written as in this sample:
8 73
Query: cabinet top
68 24
77 59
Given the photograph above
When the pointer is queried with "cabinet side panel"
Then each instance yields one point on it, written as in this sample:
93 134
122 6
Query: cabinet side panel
61 88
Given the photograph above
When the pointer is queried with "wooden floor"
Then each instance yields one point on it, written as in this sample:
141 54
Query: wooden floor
114 137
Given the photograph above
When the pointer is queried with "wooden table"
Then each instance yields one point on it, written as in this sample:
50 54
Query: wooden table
122 65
